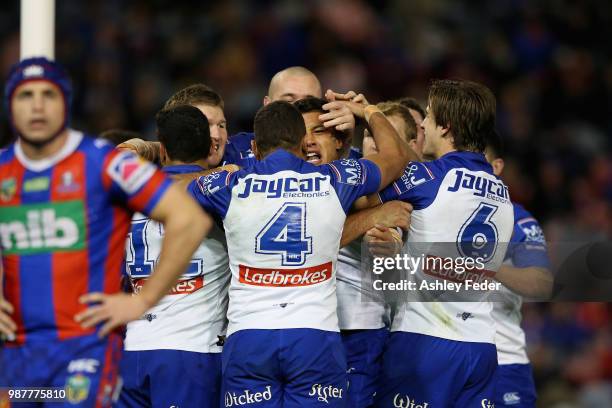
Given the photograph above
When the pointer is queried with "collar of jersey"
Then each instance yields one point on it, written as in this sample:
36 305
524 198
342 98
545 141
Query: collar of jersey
72 143
281 155
471 155
183 168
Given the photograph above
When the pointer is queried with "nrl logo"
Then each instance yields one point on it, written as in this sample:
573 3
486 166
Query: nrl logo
33 71
8 188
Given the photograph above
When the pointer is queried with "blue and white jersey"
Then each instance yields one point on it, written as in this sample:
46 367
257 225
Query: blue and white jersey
359 307
193 314
238 150
527 249
283 220
461 209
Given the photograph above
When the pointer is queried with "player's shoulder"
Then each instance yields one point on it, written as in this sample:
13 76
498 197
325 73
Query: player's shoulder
214 182
473 161
527 227
347 171
7 154
242 140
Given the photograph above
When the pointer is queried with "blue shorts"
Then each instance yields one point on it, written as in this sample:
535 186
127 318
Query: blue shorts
514 386
284 368
165 378
87 367
364 351
420 369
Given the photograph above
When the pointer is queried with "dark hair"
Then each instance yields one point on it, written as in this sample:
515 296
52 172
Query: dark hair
313 104
397 109
118 136
278 125
413 104
495 145
194 95
466 108
184 132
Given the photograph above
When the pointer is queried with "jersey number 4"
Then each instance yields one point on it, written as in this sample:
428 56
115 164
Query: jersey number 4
285 235
478 235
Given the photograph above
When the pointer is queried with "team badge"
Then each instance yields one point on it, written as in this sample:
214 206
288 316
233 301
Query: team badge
130 171
8 188
77 388
67 183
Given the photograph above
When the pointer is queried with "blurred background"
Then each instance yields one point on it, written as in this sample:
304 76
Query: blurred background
548 62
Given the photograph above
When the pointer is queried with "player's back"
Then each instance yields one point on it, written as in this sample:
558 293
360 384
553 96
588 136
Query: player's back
461 210
193 315
63 229
283 219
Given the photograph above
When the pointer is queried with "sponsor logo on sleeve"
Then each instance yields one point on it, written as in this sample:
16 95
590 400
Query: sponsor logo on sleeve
130 172
8 188
532 230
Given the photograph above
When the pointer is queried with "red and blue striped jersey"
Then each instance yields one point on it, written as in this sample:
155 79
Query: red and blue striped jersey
63 225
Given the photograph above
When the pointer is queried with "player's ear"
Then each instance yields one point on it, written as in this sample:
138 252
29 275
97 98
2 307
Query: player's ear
498 166
266 100
163 155
255 150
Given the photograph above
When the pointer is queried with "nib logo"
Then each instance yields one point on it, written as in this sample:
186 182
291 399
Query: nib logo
38 228
487 403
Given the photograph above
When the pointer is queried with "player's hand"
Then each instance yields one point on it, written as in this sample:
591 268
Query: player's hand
383 241
147 150
393 214
114 310
338 116
350 96
7 325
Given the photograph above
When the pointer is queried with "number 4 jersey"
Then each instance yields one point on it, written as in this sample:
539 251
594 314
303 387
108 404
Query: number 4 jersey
283 219
192 316
463 210
63 222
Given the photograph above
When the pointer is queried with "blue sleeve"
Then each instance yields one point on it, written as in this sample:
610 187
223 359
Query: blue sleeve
528 244
417 186
213 192
238 150
353 178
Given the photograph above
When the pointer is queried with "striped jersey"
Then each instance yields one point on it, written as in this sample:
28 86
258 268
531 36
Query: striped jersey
63 223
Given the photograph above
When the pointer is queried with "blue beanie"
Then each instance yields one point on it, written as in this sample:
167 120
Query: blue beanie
38 68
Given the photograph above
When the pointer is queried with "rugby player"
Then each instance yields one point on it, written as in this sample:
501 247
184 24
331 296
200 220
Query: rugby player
283 219
525 272
442 353
65 204
173 352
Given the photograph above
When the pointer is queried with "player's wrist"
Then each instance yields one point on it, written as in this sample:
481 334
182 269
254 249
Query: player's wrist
369 110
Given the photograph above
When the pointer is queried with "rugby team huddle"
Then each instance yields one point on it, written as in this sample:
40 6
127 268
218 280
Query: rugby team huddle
264 233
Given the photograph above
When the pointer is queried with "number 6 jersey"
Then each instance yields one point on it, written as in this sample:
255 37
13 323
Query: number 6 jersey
461 209
283 219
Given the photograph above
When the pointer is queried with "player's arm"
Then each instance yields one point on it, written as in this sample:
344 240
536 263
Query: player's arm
530 273
7 325
531 282
185 226
391 214
393 153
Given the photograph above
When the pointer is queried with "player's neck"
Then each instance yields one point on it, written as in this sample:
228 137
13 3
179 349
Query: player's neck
201 163
444 149
40 152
